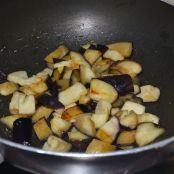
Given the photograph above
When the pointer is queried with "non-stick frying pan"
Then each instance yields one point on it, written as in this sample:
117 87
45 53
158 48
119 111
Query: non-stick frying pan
30 29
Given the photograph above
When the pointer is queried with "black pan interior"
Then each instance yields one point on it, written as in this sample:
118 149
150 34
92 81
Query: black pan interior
30 29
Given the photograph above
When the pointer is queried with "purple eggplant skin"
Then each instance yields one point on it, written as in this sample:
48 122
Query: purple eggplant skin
81 50
122 83
52 87
22 131
50 101
80 146
102 48
89 107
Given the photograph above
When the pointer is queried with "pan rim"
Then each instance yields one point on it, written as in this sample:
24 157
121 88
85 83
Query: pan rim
137 150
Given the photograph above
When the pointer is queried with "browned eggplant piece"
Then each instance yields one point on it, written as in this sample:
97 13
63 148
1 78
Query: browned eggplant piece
22 131
122 83
75 77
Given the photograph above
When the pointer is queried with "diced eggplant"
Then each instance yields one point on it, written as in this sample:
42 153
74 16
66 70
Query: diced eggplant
114 111
125 48
63 84
64 63
56 144
67 74
97 146
149 93
75 77
101 114
43 75
113 55
84 99
147 132
59 126
137 100
86 74
101 65
50 101
72 94
129 67
136 81
17 77
100 90
122 83
35 89
88 107
148 117
92 55
71 113
22 131
26 104
42 130
56 75
130 120
60 52
109 130
85 125
8 88
126 138
132 106
41 112
9 120
75 135
78 59
52 87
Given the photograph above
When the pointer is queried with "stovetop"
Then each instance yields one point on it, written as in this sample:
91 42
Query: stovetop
163 168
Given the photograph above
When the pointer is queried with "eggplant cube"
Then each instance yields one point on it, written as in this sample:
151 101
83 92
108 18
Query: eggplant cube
126 138
97 146
101 114
70 113
146 133
86 74
59 126
130 120
56 144
124 48
9 120
41 112
148 117
113 55
109 130
85 125
132 106
8 88
72 94
92 55
149 93
76 135
100 90
42 130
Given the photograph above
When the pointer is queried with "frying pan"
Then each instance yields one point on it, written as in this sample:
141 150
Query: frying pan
30 29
